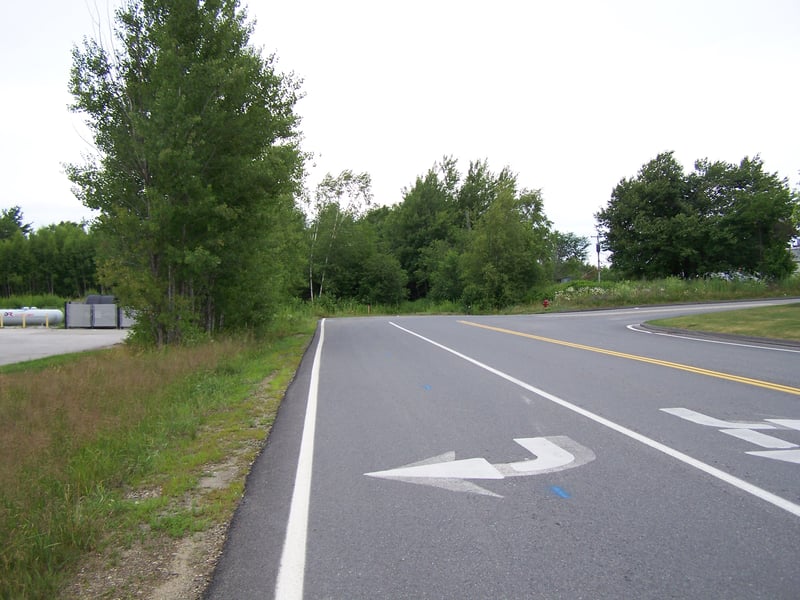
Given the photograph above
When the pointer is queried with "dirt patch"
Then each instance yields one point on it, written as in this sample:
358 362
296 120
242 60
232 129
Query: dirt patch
157 566
192 565
156 569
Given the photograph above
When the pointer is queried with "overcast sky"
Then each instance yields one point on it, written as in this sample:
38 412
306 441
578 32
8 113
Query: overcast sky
572 96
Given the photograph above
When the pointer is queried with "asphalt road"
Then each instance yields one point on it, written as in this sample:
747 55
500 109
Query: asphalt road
547 456
18 344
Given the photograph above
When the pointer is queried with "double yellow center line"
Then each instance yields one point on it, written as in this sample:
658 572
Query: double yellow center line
653 361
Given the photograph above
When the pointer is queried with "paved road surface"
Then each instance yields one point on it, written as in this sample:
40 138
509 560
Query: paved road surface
18 344
547 456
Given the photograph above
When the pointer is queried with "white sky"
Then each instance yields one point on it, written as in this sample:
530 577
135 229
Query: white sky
571 95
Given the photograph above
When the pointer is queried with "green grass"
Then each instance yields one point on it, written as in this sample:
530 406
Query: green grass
777 322
81 436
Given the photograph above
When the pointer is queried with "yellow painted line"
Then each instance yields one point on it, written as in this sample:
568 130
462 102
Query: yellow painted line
653 361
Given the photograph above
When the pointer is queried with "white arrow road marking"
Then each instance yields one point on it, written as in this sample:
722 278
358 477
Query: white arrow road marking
779 449
788 423
701 419
452 484
468 468
759 439
549 456
552 454
792 456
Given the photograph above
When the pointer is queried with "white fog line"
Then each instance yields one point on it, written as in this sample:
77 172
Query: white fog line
291 574
741 484
637 328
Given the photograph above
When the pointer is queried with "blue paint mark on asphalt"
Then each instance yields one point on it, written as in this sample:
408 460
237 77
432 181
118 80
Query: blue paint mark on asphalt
562 493
426 387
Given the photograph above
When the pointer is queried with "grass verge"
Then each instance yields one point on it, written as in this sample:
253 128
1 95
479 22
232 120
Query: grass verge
776 322
105 449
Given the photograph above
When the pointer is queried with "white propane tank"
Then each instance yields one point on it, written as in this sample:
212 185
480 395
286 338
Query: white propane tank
26 316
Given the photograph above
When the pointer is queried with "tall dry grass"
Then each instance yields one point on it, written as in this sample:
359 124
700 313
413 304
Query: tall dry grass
72 431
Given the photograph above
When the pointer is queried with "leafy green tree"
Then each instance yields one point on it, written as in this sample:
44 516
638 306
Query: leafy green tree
507 251
757 214
63 259
441 260
338 202
478 191
721 217
569 255
197 164
383 280
16 265
638 219
11 223
446 225
427 214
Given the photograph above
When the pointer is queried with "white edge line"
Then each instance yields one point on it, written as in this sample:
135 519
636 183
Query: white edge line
291 574
741 484
637 328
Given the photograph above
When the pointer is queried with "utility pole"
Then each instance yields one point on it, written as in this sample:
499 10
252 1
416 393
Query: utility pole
597 248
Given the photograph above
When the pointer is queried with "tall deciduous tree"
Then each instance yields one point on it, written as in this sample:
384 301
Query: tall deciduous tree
721 217
427 215
569 254
11 223
63 260
337 201
507 250
639 217
197 164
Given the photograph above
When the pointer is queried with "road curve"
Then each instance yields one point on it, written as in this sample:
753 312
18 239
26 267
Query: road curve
533 456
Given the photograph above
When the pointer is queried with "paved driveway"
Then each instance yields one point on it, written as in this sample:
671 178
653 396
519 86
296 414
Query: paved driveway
18 344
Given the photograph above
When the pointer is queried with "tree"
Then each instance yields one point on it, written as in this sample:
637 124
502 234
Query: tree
197 164
478 191
427 214
507 250
721 217
383 280
637 221
337 200
15 265
11 223
756 213
63 259
569 255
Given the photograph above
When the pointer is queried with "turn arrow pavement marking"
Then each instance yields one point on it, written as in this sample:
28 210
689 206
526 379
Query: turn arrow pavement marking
792 456
778 449
553 453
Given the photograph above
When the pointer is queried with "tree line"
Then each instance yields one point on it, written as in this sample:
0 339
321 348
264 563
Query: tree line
57 259
474 238
204 221
720 218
